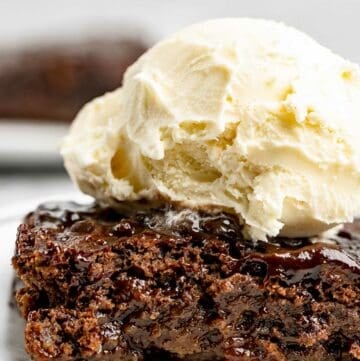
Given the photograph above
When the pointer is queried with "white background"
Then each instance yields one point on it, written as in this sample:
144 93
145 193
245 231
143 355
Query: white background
334 23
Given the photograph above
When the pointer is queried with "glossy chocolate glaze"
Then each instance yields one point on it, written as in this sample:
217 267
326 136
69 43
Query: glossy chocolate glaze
291 259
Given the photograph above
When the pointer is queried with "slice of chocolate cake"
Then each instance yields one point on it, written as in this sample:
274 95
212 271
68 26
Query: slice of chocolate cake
170 283
52 82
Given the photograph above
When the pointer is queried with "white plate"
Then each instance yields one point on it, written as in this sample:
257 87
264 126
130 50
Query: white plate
11 324
41 148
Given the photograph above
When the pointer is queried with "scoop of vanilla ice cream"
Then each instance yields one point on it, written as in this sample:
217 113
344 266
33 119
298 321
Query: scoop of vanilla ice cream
249 116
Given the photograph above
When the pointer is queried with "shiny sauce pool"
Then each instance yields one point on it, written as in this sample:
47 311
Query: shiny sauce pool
292 260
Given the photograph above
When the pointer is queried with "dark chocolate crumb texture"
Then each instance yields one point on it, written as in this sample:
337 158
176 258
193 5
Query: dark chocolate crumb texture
169 283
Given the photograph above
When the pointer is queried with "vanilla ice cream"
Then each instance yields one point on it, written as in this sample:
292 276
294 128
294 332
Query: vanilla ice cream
245 115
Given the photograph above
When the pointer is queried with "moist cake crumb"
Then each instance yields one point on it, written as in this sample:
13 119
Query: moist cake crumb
168 283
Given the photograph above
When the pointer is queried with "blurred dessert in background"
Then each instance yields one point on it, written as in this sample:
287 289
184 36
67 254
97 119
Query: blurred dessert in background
52 81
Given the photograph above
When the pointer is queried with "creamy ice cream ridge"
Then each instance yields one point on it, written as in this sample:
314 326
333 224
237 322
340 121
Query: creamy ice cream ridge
250 116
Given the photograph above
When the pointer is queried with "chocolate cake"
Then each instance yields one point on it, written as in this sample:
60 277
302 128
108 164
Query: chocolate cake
169 283
53 82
